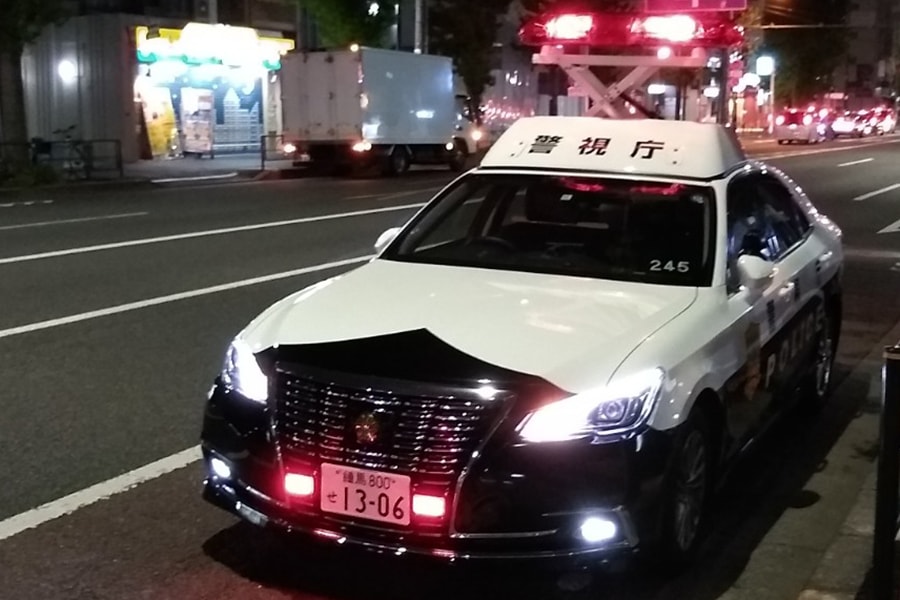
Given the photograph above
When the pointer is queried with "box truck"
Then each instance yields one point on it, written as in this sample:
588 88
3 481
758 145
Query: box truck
366 107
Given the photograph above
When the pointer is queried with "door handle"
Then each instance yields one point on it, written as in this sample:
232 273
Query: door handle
823 260
787 291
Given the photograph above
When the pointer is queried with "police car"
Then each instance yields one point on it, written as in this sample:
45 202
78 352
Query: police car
556 357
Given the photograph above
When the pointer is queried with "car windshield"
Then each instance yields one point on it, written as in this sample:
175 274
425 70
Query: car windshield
651 232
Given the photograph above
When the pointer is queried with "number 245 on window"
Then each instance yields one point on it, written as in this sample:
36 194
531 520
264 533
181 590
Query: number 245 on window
682 266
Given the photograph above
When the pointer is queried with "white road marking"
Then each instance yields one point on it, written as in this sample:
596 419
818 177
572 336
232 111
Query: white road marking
67 221
198 234
95 493
892 228
196 178
871 254
883 190
856 162
130 306
386 195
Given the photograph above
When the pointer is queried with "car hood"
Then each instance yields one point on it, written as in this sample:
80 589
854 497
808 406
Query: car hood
571 331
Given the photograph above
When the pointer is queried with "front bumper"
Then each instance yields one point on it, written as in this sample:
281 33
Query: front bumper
515 502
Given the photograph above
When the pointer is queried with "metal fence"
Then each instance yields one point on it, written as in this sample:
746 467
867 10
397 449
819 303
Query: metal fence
887 494
66 160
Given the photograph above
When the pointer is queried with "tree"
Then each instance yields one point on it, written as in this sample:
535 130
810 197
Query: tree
21 23
345 22
806 57
465 30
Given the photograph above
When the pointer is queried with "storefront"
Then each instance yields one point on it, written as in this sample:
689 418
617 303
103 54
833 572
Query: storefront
206 89
154 92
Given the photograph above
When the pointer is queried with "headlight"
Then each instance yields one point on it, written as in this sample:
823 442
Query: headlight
618 408
242 374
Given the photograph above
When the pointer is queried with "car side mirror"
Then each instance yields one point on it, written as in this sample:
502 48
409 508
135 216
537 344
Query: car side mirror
386 238
755 272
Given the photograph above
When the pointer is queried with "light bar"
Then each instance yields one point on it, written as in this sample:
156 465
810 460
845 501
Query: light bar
622 30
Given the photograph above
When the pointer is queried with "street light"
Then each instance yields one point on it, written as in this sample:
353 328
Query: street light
765 67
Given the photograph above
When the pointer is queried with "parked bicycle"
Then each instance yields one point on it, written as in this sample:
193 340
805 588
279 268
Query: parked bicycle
76 163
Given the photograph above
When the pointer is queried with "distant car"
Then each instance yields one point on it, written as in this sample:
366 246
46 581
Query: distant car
853 124
884 120
798 126
553 359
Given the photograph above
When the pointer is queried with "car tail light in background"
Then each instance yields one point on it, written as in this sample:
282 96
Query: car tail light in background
807 119
779 120
426 505
299 484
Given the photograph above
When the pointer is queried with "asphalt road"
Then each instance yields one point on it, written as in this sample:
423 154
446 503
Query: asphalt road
116 306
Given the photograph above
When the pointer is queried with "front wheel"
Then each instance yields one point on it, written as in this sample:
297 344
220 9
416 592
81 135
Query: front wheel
687 494
397 162
458 157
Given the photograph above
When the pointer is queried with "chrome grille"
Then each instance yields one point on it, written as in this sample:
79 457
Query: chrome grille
427 431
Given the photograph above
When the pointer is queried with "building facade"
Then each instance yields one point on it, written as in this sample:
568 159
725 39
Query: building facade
159 79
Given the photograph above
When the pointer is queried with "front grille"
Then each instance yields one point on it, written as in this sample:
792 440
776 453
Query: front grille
428 432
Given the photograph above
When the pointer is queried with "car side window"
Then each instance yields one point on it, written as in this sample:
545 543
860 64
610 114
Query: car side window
748 230
785 217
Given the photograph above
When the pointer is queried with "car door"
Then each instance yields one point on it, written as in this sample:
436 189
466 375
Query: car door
800 298
754 317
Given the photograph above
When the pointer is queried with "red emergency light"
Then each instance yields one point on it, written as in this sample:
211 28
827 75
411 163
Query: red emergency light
618 29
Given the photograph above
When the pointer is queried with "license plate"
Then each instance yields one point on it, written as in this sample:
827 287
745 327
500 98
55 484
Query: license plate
365 494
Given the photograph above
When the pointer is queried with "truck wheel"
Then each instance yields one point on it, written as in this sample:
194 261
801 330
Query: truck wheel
397 162
458 157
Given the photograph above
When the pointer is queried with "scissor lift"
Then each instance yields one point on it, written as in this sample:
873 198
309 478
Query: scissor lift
603 96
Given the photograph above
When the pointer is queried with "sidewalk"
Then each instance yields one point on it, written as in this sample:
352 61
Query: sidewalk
822 548
201 168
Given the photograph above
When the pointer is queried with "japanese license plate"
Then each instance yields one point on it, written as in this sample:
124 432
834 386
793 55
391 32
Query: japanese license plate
365 494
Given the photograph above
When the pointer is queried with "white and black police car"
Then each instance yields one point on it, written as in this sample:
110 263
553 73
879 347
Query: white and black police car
554 358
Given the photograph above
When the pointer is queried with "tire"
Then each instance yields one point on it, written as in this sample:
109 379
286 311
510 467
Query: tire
458 158
782 142
686 495
817 384
397 162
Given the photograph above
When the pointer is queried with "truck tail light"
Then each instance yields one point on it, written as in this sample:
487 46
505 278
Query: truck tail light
426 505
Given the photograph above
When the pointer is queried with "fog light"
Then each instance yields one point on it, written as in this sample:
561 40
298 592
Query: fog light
296 484
220 468
595 529
428 506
